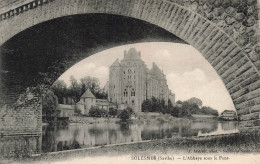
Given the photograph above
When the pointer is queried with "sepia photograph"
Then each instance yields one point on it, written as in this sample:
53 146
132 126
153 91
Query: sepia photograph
129 81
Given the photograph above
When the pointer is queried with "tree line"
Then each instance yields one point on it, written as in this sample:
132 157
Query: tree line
124 114
77 88
181 109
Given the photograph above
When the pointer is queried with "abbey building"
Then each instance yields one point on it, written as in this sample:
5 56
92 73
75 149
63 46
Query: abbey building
130 82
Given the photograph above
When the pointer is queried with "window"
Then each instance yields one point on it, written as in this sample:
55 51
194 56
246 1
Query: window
126 102
133 92
133 101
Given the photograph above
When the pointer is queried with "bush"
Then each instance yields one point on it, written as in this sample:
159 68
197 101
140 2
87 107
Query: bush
175 111
154 105
126 114
209 110
96 112
112 112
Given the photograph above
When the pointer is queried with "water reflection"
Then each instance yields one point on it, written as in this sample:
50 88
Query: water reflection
89 135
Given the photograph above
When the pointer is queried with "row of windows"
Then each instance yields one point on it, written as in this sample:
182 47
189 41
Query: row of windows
129 77
126 94
132 101
129 71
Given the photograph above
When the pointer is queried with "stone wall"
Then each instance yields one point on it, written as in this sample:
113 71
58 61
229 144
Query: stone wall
20 120
20 146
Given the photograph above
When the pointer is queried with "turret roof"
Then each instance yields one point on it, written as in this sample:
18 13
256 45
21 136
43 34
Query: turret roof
132 54
88 94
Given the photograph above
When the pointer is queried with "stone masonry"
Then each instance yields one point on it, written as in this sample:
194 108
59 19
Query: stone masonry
226 32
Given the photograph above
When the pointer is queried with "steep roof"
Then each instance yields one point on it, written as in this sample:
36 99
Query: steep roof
132 54
155 71
116 63
88 94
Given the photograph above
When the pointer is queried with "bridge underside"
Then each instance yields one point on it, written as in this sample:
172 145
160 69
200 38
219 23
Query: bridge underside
39 55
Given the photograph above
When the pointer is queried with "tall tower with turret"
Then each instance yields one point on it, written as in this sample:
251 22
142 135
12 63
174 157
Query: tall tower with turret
130 81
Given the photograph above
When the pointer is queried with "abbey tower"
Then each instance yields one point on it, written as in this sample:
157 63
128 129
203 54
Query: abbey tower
130 82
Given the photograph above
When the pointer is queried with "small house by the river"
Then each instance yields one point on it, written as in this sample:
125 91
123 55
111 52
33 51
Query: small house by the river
87 100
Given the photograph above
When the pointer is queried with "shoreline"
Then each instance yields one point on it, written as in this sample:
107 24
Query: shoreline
231 143
141 118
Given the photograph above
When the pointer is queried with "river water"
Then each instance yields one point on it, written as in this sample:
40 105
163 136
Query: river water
96 134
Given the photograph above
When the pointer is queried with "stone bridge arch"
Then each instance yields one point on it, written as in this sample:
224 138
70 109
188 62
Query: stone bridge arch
224 31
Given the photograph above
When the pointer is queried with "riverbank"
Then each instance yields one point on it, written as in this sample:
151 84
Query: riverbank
221 144
91 120
140 118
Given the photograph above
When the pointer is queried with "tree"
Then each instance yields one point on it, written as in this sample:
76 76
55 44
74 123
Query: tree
60 89
94 85
179 102
155 105
175 111
50 105
168 108
124 115
195 100
161 107
191 108
146 106
74 89
209 110
112 112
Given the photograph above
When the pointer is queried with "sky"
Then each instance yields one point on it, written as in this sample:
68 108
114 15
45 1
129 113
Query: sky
187 72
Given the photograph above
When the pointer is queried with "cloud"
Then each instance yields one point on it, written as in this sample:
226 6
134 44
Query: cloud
196 84
86 69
